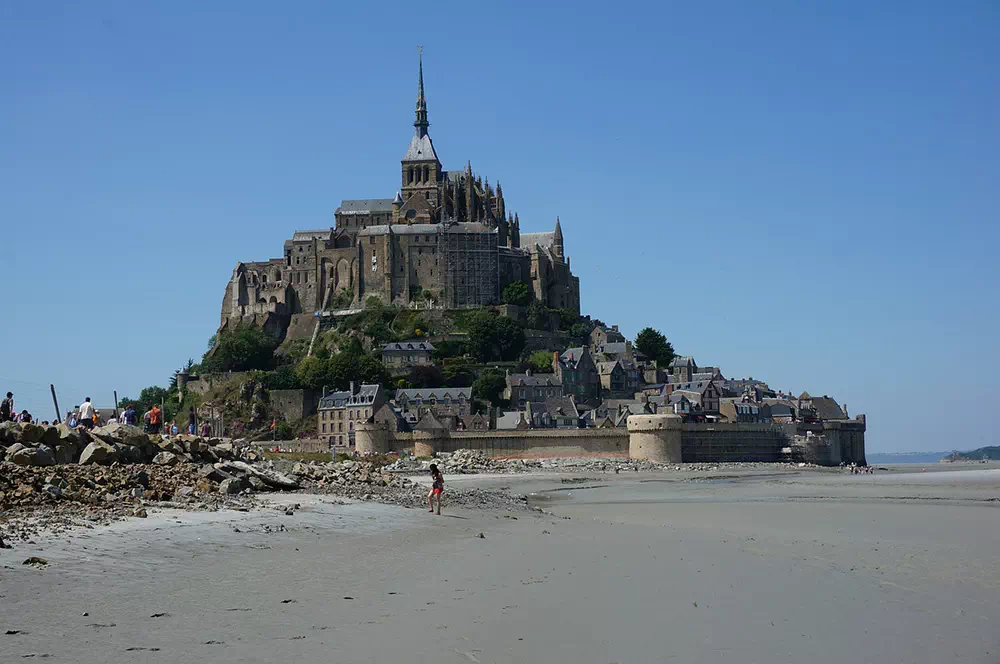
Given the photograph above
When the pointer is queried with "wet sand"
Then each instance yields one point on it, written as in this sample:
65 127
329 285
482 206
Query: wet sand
752 566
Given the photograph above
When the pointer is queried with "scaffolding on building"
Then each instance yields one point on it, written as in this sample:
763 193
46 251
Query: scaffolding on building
472 265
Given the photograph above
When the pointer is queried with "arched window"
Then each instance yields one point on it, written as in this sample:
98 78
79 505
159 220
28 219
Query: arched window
426 174
277 275
410 175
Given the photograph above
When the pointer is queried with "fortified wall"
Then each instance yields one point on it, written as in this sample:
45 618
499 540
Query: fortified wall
661 438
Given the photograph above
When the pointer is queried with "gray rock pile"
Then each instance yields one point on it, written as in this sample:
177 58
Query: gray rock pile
34 445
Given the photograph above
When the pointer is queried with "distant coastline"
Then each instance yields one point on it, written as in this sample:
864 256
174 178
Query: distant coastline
905 457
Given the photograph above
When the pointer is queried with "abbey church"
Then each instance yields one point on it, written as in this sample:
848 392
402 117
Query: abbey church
447 239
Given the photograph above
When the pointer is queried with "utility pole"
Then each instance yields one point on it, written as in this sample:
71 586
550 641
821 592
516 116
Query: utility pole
116 404
54 402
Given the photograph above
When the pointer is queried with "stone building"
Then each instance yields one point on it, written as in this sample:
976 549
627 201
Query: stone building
522 388
404 354
446 239
340 412
576 369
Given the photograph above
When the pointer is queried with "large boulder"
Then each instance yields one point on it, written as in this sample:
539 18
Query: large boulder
170 446
66 434
50 436
66 454
98 452
30 433
130 454
34 456
233 485
270 477
124 434
9 433
166 459
14 449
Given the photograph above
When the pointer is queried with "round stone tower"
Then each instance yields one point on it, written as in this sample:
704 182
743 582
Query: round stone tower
655 438
371 438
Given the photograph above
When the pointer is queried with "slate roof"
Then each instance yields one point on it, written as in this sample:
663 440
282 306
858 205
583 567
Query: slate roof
541 380
365 396
682 361
613 348
510 420
422 229
406 346
827 408
605 368
365 205
437 393
571 357
420 149
698 386
301 236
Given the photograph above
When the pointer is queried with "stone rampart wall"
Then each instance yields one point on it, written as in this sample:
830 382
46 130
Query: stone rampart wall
295 404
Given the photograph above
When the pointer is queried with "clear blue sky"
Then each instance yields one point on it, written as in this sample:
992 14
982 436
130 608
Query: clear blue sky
801 192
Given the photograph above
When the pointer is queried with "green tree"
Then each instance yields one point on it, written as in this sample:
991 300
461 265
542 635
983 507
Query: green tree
538 316
493 337
489 386
458 374
579 330
540 361
425 376
244 349
312 373
517 292
655 346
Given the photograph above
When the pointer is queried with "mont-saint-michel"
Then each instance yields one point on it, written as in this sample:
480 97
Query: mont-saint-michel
407 440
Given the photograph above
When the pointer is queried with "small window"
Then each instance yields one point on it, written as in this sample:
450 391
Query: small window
371 240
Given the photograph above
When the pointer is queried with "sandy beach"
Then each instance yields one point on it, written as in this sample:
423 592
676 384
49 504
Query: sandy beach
755 566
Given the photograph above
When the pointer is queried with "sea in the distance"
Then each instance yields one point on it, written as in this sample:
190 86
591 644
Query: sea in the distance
905 457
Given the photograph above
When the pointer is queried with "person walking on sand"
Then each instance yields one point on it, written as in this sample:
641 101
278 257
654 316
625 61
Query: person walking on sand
437 488
87 414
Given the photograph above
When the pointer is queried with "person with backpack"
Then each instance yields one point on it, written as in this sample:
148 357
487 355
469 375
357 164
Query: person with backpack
155 419
7 408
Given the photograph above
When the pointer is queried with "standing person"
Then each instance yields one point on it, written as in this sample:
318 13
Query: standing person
192 421
87 414
437 488
130 415
7 408
155 419
206 431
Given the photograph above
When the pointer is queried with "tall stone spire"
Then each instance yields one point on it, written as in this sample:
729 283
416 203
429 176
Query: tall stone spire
420 124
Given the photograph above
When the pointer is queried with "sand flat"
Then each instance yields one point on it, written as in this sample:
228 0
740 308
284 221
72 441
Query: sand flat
757 567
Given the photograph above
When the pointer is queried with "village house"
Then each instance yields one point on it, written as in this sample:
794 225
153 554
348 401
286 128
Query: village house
600 336
522 388
576 370
404 354
340 412
449 405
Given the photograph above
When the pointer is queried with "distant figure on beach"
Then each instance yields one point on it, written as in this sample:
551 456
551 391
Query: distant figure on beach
174 430
7 408
192 421
25 416
87 414
205 430
437 488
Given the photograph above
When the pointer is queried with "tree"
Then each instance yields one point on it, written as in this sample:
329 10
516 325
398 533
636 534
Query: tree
579 330
540 361
425 376
459 374
517 292
509 338
312 373
538 316
244 349
493 337
489 386
655 346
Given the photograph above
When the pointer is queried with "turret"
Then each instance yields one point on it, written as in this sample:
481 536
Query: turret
557 242
397 203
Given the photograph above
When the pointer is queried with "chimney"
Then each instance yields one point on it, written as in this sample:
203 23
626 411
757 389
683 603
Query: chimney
555 360
352 387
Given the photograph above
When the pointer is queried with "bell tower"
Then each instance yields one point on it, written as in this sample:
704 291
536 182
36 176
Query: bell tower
421 169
